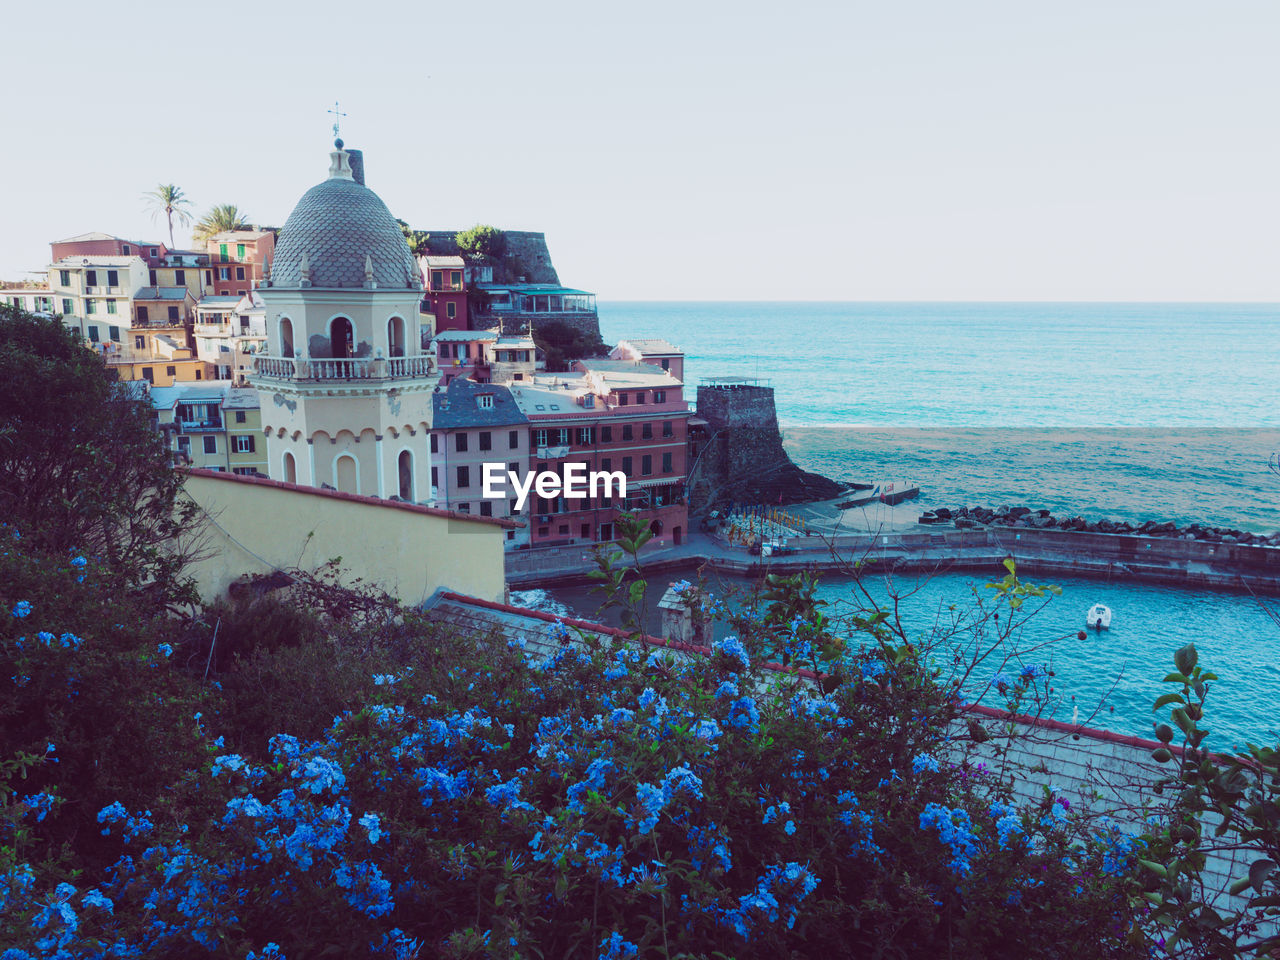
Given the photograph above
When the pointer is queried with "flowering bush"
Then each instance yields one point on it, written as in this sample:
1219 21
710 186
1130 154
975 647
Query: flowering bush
590 800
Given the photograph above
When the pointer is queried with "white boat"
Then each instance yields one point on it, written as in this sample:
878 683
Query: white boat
1098 617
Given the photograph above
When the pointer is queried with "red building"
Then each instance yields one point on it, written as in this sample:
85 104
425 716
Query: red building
445 296
610 416
105 245
237 260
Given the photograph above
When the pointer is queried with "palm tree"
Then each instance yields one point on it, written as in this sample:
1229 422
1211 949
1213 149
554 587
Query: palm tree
221 219
168 199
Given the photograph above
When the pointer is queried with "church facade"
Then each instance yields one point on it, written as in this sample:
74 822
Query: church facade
346 386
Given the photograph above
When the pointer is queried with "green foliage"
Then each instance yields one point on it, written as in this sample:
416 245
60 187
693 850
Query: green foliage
81 466
563 344
482 242
222 218
419 240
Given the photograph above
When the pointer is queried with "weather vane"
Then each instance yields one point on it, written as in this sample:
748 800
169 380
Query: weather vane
337 117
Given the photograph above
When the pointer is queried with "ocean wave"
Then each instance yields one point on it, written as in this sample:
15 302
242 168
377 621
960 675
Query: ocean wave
540 600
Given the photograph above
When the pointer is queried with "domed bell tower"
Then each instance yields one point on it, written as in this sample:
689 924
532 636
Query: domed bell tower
345 386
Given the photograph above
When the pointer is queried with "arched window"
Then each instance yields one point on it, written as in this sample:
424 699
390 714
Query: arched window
346 474
405 464
290 468
395 336
341 338
286 337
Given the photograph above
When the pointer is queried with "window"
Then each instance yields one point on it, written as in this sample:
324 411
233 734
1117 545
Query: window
486 508
184 445
139 343
434 476
153 251
147 375
224 273
606 464
93 334
435 445
111 306
113 278
91 278
485 401
646 431
486 439
244 471
64 278
151 278
450 310
170 371
464 477
563 528
455 279
659 396
179 278
115 333
243 444
646 465
540 438
626 431
208 277
239 251
437 279
666 463
667 428
240 418
210 444
464 508
640 397
142 314
68 307
586 436
222 252
239 273
622 399
173 313
460 442
626 466
561 437
513 511
199 374
91 306
666 365
513 439
606 434
125 249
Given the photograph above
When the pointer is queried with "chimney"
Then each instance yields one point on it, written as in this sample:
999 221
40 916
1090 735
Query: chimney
356 159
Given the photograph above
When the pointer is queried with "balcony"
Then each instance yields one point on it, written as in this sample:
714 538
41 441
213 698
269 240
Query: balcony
356 368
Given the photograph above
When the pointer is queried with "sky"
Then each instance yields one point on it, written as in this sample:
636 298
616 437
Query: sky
927 150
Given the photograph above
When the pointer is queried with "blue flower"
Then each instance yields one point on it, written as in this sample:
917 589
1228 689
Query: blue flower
78 562
22 609
922 762
732 648
165 649
372 824
41 803
613 947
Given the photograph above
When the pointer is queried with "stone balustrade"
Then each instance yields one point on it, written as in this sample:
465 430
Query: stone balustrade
348 368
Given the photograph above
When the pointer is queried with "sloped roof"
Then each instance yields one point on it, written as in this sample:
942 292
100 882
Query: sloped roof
161 293
652 347
456 406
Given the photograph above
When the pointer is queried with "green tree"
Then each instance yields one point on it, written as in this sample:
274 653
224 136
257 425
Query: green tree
418 240
482 242
81 465
168 199
220 219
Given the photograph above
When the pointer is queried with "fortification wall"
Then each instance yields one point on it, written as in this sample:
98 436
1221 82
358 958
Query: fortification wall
745 460
528 248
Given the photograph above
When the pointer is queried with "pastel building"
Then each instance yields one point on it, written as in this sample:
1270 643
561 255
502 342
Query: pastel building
33 299
659 353
237 261
474 424
212 425
230 333
485 356
345 385
609 416
98 244
445 296
515 305
94 294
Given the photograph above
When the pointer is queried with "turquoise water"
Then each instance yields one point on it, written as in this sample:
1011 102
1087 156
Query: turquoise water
1112 677
1128 411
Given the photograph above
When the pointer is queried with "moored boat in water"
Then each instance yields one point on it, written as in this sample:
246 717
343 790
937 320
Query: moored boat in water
1098 617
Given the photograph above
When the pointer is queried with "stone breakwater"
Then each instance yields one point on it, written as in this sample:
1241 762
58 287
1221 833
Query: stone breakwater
1027 518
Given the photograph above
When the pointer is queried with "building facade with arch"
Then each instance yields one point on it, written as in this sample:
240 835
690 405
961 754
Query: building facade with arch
345 384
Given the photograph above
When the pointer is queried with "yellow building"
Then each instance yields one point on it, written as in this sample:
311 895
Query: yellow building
250 525
246 446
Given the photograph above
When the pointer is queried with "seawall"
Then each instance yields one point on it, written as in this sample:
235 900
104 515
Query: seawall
1188 564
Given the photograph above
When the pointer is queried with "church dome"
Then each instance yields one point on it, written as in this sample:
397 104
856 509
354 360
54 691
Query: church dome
338 229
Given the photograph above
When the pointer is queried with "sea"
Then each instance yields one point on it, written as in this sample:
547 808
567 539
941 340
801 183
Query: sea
1133 411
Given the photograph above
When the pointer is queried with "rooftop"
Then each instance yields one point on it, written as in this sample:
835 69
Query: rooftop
239 235
466 336
634 374
652 347
442 261
456 406
92 235
99 260
534 288
161 293
222 301
201 391
547 398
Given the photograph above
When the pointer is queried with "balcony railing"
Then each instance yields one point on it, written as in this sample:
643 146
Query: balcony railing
355 368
